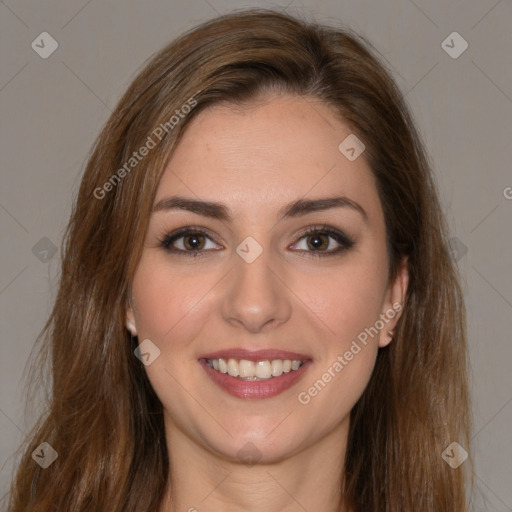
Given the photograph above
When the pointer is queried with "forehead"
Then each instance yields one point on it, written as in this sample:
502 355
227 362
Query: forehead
264 154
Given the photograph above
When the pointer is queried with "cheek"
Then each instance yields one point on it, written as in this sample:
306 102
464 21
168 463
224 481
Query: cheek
168 312
165 301
351 308
347 300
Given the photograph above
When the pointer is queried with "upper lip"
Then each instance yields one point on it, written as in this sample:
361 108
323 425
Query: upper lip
255 355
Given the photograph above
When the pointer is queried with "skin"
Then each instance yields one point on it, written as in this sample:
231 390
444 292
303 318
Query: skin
255 159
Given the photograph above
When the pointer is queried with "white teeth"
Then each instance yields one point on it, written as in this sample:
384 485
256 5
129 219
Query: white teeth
277 367
250 370
223 366
263 370
295 365
233 368
246 368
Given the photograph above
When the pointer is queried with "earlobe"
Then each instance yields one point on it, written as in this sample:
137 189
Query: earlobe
399 287
131 327
395 304
130 322
385 339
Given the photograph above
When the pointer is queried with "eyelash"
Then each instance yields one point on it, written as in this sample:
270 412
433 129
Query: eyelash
340 237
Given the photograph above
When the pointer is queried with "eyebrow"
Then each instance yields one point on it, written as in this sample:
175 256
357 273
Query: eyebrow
294 209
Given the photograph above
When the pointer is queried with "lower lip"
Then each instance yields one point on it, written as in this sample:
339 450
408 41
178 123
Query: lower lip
254 388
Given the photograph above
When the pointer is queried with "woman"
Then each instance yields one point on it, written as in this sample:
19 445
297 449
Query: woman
258 309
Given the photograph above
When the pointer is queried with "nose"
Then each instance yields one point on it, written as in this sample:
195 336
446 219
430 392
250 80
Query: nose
256 295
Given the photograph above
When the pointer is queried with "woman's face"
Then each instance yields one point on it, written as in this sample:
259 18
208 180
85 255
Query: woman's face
248 284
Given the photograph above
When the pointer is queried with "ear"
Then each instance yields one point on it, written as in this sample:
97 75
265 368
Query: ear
130 318
394 303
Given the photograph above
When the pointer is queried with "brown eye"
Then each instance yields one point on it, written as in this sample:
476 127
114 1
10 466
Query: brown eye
193 241
318 241
188 241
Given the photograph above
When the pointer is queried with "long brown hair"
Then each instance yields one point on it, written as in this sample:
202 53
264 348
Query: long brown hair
103 418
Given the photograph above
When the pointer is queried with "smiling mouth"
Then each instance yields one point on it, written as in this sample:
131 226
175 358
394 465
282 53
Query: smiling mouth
243 369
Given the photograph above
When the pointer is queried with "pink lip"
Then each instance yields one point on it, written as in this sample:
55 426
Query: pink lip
255 389
255 355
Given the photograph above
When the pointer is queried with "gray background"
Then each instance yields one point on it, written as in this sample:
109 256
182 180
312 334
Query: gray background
52 109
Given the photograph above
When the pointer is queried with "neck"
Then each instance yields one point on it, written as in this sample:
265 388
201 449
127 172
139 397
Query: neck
307 480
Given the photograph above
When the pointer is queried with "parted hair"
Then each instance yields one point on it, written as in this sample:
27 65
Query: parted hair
101 414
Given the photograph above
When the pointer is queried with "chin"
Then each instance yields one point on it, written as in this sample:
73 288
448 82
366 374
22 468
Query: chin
262 441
